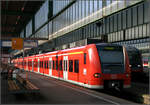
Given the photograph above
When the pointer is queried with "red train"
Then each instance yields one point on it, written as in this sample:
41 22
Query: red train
135 60
94 66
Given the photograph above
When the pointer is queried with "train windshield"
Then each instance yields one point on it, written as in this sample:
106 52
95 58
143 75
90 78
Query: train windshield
111 58
134 57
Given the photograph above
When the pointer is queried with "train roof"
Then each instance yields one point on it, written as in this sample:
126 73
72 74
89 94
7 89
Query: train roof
107 44
131 48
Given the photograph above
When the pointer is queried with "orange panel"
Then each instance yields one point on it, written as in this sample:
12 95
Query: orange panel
17 43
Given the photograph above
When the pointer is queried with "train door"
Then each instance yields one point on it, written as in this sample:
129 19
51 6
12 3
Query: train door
65 70
50 66
76 69
35 65
60 67
27 64
32 65
38 65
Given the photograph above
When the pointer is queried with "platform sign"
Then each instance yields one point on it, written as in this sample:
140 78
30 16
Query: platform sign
17 43
6 43
30 43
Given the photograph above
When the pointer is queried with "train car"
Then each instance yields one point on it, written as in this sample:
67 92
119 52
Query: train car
94 66
30 63
135 59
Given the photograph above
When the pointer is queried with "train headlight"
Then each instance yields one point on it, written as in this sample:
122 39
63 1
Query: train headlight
139 65
97 75
130 65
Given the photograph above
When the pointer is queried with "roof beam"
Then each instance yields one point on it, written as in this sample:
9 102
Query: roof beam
14 33
8 25
9 38
9 12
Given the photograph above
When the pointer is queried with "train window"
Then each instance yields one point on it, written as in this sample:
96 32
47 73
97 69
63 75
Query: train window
70 65
60 65
84 58
53 64
42 64
47 64
76 66
64 65
50 64
56 64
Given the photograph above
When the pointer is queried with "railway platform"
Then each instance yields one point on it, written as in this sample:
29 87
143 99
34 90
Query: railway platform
54 91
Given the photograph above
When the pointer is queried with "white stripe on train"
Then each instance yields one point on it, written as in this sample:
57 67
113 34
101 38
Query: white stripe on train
79 83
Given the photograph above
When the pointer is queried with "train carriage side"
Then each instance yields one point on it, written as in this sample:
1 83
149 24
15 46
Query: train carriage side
73 66
46 65
40 63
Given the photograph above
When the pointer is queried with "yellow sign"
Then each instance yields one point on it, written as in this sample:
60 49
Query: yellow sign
17 43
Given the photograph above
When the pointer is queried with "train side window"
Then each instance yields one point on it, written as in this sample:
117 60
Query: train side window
60 65
84 58
70 65
47 64
66 65
50 64
56 64
53 64
42 64
76 66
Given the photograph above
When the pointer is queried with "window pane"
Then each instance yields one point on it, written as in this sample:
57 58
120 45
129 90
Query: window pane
129 17
140 14
134 17
70 65
76 66
124 19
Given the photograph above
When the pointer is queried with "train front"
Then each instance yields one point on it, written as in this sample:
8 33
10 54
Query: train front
114 64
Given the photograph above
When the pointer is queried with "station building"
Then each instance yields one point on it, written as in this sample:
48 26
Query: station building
65 22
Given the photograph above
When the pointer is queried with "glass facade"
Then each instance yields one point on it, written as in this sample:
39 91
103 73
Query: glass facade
29 29
42 15
58 5
118 20
22 34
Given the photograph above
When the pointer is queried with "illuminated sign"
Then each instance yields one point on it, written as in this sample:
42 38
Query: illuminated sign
6 44
30 43
109 48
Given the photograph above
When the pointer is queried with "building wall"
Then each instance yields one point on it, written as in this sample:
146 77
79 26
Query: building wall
120 21
128 26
